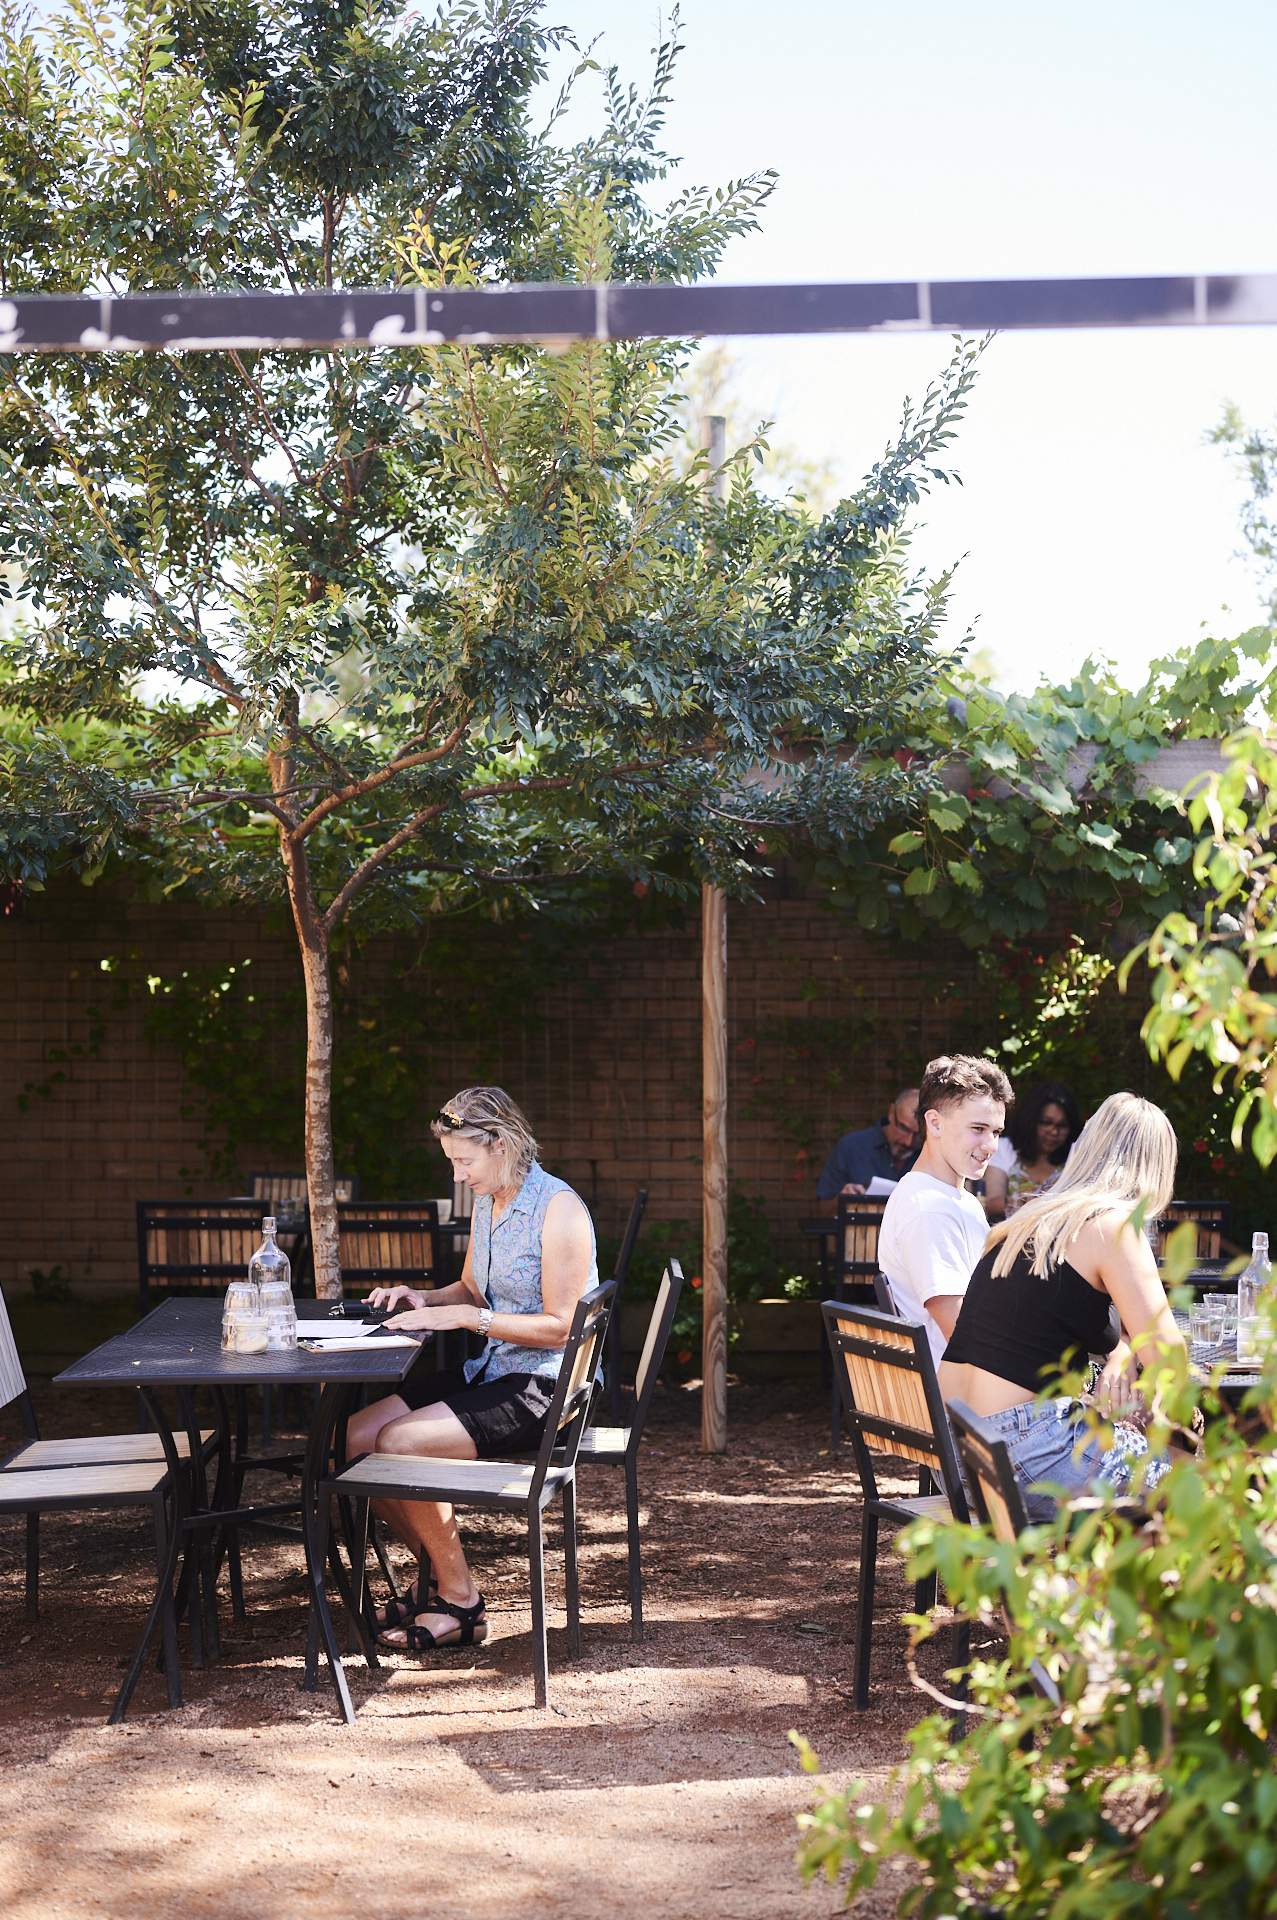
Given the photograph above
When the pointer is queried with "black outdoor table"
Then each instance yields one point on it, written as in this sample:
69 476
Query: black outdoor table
178 1345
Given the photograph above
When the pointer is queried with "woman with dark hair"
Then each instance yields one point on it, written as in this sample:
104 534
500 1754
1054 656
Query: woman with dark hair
1044 1124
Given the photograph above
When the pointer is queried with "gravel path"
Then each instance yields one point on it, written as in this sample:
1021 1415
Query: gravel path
659 1784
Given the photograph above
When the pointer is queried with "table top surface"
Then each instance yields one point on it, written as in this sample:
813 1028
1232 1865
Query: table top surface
179 1344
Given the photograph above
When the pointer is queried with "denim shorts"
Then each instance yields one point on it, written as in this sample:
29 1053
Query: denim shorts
1042 1438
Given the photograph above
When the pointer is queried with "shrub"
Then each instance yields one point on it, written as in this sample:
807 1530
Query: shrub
1150 1790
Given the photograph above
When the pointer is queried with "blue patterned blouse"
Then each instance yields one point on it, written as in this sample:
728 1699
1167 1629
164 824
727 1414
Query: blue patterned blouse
506 1263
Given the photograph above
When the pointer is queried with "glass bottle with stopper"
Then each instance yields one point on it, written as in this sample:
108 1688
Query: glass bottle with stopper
270 1271
1254 1293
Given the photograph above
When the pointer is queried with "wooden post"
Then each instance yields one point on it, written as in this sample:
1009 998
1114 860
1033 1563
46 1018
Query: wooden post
714 1100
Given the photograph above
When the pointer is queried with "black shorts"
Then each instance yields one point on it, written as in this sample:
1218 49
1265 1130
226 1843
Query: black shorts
502 1416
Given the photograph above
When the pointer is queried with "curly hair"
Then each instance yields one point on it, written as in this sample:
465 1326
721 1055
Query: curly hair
1023 1127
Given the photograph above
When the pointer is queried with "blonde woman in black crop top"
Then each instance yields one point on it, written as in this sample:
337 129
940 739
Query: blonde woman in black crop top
1039 1299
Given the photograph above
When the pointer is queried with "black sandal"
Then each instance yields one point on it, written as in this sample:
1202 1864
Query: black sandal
400 1612
470 1629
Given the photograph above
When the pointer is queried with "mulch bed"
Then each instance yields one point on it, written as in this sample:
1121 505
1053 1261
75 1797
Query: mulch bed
659 1783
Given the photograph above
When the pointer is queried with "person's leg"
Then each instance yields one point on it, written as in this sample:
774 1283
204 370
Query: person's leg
361 1437
430 1526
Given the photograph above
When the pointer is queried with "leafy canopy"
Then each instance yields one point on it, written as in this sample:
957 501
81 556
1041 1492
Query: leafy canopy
451 621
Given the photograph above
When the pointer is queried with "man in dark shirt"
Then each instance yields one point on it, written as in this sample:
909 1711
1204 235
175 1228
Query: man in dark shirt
888 1151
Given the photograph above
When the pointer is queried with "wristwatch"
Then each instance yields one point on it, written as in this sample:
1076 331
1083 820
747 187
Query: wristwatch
485 1321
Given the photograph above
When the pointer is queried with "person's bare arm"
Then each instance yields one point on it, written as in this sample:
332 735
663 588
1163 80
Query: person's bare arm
567 1257
1128 1273
944 1309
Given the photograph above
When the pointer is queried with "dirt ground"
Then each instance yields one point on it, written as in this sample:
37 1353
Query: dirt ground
658 1784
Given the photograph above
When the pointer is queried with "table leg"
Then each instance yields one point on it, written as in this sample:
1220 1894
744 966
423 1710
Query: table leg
204 1590
161 1613
320 1631
227 1490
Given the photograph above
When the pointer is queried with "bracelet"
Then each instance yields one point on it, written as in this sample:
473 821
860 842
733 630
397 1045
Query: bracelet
485 1321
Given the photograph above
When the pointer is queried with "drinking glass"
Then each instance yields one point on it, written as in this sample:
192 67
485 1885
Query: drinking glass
251 1333
1222 1308
242 1303
1201 1330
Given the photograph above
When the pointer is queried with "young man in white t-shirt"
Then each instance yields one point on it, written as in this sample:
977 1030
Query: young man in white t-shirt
933 1230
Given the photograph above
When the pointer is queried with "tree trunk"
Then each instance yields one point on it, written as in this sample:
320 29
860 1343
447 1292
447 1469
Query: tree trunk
312 941
319 1119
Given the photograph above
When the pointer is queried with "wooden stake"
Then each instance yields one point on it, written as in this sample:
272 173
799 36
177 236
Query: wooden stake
714 1100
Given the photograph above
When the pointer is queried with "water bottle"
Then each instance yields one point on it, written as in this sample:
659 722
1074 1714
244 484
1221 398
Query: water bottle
270 1272
1252 1299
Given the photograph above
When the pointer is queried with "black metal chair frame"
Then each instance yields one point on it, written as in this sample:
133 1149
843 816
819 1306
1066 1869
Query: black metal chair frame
618 1446
96 1474
884 1299
497 1486
620 1273
1210 1214
854 1280
898 1438
190 1277
390 1216
987 1460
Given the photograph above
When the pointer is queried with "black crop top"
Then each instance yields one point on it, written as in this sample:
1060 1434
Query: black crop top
1024 1329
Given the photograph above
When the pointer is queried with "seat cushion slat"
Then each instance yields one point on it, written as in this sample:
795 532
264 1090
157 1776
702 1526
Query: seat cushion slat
73 1483
440 1478
98 1450
598 1441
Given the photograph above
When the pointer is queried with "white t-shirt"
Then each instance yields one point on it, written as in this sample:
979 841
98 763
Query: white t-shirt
931 1236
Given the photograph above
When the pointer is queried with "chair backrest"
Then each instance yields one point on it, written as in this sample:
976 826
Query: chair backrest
620 1272
13 1381
998 1502
859 1222
280 1188
194 1246
883 1296
388 1240
890 1396
574 1388
655 1341
1210 1217
995 1492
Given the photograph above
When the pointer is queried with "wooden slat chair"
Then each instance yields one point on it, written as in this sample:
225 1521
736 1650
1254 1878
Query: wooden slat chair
892 1406
859 1222
618 1446
998 1500
285 1189
194 1246
504 1486
620 1273
387 1243
94 1474
1210 1217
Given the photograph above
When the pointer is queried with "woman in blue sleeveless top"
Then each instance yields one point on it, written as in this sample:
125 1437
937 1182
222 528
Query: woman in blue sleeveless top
530 1260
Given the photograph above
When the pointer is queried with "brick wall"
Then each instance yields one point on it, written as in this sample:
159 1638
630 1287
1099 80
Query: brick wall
607 1062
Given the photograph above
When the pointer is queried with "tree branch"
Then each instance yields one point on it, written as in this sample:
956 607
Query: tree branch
357 788
166 614
376 859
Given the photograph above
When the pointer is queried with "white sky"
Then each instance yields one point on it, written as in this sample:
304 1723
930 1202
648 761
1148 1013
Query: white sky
924 140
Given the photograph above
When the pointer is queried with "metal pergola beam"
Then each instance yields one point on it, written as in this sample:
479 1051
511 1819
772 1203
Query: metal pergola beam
554 314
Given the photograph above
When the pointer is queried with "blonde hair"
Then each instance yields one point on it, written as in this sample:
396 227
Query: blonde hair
1123 1158
489 1115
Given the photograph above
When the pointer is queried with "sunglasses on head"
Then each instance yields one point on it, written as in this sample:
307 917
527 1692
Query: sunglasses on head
453 1122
